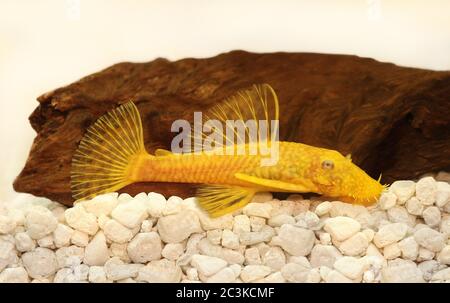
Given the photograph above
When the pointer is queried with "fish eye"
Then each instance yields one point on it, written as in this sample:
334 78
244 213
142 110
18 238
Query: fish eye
327 164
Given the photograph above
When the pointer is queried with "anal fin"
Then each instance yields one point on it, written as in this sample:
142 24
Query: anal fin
218 200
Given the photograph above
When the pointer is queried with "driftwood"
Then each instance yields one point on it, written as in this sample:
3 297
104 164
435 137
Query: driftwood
393 120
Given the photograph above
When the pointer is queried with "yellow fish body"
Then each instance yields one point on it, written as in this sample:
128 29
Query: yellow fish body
111 155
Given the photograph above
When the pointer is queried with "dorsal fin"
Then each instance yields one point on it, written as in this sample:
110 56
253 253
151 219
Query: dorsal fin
258 103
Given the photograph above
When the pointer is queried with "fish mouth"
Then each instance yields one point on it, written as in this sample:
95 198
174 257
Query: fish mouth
369 197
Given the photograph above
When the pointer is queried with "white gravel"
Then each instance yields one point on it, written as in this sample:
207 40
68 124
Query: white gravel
148 238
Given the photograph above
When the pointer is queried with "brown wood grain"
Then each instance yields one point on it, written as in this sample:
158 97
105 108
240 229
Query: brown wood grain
394 120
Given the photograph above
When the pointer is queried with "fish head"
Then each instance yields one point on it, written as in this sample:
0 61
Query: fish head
337 176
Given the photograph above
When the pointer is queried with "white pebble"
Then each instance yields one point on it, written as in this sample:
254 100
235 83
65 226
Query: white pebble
173 206
404 271
116 232
40 263
69 256
409 248
430 239
214 236
284 207
442 275
145 247
40 222
225 275
313 276
281 219
81 220
257 223
101 221
120 251
241 223
62 235
24 242
230 239
8 254
308 220
258 210
428 268
355 245
7 224
251 273
207 265
14 275
325 238
369 276
294 272
101 204
445 225
387 200
156 205
96 252
79 238
324 255
336 277
294 240
341 209
323 208
369 233
46 242
398 214
223 222
172 251
425 254
192 273
146 226
350 267
252 256
275 258
130 214
97 274
254 237
432 216
160 271
414 206
404 190
389 234
442 194
392 251
444 256
116 269
341 228
176 228
426 190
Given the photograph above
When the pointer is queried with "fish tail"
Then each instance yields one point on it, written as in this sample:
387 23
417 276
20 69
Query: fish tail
109 154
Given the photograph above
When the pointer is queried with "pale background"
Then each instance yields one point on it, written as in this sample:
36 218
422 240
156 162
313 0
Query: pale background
49 43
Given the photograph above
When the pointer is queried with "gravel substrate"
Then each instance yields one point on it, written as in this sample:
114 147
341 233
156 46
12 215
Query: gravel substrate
118 238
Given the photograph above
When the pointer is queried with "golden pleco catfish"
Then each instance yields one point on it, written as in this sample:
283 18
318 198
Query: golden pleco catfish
111 155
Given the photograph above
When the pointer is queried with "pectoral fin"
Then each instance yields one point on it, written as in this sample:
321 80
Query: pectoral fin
219 200
273 185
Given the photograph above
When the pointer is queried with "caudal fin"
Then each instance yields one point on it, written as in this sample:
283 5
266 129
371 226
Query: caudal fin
105 156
